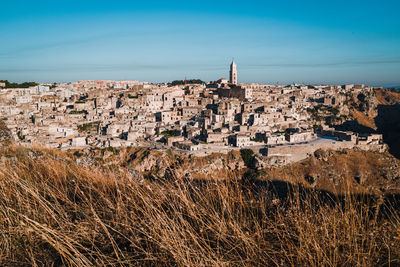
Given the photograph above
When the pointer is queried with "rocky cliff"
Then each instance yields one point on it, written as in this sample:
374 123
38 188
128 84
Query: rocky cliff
335 171
378 111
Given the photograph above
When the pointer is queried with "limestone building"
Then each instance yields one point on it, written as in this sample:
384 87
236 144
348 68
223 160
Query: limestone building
233 73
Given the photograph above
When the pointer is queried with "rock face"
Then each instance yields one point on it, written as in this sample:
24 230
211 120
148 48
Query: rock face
310 179
360 179
5 133
324 169
363 171
323 154
135 175
261 163
164 165
377 111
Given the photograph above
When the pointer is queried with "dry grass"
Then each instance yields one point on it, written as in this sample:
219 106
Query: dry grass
55 212
363 119
337 172
386 97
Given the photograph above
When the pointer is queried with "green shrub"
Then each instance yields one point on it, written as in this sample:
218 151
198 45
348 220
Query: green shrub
78 112
247 156
168 133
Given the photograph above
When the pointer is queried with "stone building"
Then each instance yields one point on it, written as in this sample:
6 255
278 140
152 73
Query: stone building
233 73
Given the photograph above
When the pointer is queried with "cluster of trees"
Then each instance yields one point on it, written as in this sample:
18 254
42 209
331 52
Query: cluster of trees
181 82
18 85
248 157
168 133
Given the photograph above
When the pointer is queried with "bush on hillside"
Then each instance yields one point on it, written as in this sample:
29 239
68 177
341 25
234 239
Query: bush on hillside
247 156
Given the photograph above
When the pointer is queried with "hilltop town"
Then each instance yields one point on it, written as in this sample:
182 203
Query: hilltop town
281 123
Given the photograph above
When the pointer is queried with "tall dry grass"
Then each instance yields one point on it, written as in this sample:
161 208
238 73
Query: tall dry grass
56 212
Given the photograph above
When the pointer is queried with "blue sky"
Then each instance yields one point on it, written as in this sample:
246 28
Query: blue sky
272 41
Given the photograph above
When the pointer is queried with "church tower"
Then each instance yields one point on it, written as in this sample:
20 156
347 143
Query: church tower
233 73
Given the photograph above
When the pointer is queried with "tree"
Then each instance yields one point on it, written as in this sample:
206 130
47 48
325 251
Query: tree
168 133
182 82
18 85
247 156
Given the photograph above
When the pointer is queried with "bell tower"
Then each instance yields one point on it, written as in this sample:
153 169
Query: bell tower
233 73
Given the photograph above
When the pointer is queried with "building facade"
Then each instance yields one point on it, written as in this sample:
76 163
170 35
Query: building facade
233 73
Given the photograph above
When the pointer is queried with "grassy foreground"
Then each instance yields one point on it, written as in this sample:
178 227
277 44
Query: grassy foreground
56 212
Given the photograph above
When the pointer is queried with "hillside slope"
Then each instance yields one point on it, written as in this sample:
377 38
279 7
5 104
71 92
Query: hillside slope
56 210
340 171
379 111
